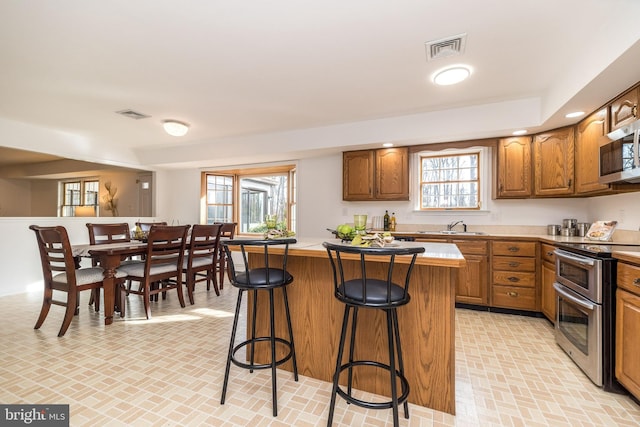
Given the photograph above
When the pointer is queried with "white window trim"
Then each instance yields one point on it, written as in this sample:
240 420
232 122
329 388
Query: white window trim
485 180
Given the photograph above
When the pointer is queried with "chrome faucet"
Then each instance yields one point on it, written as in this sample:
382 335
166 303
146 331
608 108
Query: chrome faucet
453 224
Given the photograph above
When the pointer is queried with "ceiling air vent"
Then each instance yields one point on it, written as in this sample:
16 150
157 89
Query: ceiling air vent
446 47
132 114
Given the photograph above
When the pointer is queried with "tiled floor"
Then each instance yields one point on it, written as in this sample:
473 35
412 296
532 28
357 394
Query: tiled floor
168 372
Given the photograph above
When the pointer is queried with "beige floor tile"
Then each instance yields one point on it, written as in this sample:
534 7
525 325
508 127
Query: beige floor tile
168 371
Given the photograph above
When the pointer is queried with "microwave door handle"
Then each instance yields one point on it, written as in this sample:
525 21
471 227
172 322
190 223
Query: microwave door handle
578 301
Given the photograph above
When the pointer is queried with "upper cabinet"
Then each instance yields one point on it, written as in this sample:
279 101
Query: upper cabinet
376 174
514 168
588 134
553 154
624 109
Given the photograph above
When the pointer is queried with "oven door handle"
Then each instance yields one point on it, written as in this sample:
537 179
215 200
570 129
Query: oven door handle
575 258
586 304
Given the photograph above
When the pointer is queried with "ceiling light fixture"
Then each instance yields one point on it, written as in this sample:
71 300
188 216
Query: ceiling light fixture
519 132
451 75
574 114
387 144
175 128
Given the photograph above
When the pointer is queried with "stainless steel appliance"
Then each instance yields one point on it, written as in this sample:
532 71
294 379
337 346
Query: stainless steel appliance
585 309
619 151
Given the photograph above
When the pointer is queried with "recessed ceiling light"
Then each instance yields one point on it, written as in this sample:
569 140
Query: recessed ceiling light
175 128
387 144
451 75
574 114
519 132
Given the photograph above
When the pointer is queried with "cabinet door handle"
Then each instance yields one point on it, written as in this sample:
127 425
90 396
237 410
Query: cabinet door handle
513 279
634 111
512 294
569 183
514 264
636 281
550 253
514 249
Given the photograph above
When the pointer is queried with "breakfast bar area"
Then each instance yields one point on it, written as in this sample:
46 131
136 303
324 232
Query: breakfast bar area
427 323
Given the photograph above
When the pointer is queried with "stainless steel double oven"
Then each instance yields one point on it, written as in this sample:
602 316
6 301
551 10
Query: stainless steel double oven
585 309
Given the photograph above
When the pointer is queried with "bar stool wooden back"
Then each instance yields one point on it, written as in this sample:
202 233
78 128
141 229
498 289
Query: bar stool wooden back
273 274
372 278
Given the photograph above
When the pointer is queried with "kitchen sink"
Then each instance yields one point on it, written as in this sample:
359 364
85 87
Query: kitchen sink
454 232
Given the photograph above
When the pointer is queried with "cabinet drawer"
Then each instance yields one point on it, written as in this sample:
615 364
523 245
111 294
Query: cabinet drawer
514 297
471 248
547 253
629 277
514 248
514 278
509 263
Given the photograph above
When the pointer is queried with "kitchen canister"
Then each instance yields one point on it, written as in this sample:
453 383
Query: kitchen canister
553 229
569 223
566 231
582 228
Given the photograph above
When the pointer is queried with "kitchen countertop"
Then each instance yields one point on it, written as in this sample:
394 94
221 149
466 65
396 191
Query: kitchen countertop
436 254
546 238
629 256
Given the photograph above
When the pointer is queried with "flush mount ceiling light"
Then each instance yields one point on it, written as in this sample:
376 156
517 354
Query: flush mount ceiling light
519 132
175 128
574 114
387 144
451 75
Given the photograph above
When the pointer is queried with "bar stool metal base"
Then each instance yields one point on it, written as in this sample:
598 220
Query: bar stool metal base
395 375
250 344
404 386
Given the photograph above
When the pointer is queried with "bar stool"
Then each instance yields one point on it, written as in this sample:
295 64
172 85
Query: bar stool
267 278
358 289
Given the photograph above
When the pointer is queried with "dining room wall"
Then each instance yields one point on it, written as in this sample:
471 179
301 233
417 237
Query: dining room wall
20 268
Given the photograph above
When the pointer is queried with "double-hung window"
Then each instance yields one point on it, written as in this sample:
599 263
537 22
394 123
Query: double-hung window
78 193
450 181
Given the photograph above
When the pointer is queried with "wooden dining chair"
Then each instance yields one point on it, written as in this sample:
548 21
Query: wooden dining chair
202 258
163 266
60 274
146 226
100 234
227 232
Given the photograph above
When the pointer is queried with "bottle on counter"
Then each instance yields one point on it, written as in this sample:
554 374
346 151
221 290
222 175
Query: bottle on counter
392 222
386 221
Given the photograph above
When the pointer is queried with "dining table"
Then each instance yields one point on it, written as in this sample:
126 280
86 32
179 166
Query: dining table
109 256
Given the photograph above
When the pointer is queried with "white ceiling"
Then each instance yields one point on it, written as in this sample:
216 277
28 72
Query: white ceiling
266 80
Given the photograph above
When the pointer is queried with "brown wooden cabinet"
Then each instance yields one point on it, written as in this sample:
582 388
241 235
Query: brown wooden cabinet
628 328
547 278
553 154
513 169
588 134
513 275
376 174
473 279
624 109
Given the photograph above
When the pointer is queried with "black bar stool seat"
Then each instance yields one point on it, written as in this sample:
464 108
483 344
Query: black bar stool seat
369 292
267 278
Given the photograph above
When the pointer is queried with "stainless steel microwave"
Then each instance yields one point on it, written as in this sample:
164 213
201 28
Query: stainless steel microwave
619 155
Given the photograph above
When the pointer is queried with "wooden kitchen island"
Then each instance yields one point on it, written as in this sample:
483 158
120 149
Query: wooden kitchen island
427 323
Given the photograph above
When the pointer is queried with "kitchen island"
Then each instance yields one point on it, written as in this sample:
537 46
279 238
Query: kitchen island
427 323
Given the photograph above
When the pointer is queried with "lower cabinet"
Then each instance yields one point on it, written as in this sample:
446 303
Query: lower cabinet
628 328
547 278
513 275
473 279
